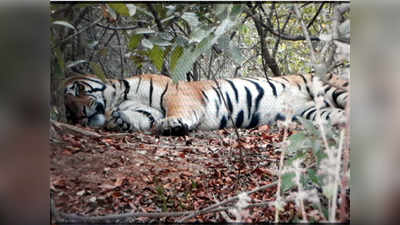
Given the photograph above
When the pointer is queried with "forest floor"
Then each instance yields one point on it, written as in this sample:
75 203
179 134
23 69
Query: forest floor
108 173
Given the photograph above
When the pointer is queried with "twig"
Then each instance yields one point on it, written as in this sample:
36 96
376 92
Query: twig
121 57
114 28
306 34
78 32
316 15
207 209
67 216
278 192
60 125
332 216
346 159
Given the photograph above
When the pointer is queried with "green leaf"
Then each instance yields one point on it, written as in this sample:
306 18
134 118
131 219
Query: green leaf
98 71
157 57
190 55
308 125
134 41
147 44
287 181
191 19
296 141
60 60
312 173
175 55
92 44
236 10
236 55
74 63
131 9
120 8
159 41
64 23
143 31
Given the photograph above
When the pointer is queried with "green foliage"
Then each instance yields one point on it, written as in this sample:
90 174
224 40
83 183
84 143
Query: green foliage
64 23
98 71
190 55
60 66
176 54
288 181
120 8
157 57
134 41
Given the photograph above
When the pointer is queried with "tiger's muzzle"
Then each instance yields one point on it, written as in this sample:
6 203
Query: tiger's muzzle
85 110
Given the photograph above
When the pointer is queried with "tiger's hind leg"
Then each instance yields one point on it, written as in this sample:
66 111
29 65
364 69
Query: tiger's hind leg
133 116
334 115
178 126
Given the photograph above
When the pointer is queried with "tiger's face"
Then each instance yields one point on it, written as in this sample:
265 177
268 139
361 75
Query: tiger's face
84 102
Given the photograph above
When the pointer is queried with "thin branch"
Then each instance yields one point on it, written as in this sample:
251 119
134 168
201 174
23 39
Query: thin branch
150 215
121 57
283 36
346 160
156 17
207 209
281 31
278 192
316 15
75 129
114 28
307 35
332 216
78 32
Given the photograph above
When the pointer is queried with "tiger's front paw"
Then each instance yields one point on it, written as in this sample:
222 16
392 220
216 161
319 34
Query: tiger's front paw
119 122
338 117
172 127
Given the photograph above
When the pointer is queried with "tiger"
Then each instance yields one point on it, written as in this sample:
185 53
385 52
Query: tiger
152 102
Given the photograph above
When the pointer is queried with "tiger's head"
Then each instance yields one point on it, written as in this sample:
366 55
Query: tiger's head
84 100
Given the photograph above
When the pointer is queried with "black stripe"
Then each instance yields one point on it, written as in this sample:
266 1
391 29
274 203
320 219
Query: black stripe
93 89
204 94
330 76
307 88
127 88
323 112
162 100
140 81
239 119
280 116
273 88
346 84
229 102
329 115
222 123
254 121
285 79
148 115
260 93
302 114
327 103
151 92
234 90
219 96
249 102
96 81
335 96
217 106
309 113
327 89
195 115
